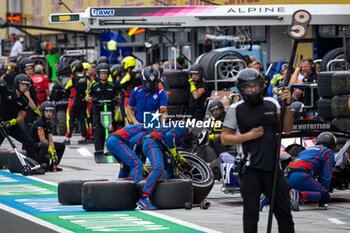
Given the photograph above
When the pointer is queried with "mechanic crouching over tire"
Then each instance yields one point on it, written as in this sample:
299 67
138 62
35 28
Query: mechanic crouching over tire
310 162
252 124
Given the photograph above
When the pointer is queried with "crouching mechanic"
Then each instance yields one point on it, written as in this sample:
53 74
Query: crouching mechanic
117 145
41 132
310 162
163 138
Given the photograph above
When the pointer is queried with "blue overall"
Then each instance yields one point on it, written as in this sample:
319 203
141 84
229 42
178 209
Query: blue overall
316 160
123 153
171 137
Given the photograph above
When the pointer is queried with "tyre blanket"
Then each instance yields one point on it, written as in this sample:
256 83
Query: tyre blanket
30 196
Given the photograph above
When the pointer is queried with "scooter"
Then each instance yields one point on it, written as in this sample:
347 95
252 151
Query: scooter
28 165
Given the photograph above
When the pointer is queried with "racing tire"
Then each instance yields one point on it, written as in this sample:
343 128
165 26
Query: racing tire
324 84
340 107
324 108
109 196
61 123
348 51
201 176
69 192
341 83
179 96
331 55
342 124
170 194
177 79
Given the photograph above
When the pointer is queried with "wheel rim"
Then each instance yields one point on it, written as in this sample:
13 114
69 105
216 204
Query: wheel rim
338 66
229 69
198 173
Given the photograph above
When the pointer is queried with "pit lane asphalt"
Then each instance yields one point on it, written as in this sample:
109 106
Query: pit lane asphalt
224 215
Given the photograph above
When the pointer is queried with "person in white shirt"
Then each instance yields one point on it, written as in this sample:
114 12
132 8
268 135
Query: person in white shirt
16 46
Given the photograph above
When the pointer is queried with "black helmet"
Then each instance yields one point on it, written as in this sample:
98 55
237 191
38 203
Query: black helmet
198 136
298 110
76 66
116 70
24 63
216 104
150 78
247 76
102 67
47 105
327 139
21 78
196 69
102 59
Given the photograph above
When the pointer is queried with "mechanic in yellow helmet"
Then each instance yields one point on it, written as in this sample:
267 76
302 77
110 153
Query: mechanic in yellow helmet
127 83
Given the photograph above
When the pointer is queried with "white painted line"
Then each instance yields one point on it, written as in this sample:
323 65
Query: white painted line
34 219
181 222
336 221
84 152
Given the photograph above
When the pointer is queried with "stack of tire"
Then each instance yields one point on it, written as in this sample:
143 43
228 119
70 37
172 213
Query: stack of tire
180 93
334 90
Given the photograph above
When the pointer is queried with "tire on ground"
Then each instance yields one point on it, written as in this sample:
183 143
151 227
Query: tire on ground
340 107
61 123
109 196
324 84
170 194
331 55
325 108
341 83
179 96
342 124
69 192
177 79
201 175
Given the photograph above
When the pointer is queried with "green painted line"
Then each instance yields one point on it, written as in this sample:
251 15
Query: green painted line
122 221
33 189
110 159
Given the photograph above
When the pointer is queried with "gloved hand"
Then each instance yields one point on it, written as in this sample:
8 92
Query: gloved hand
12 122
178 157
37 111
51 151
192 85
211 138
145 172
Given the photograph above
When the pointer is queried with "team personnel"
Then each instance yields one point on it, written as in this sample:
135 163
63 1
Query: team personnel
41 133
116 72
163 138
118 145
148 97
163 82
199 92
13 108
311 162
78 84
252 125
101 90
41 84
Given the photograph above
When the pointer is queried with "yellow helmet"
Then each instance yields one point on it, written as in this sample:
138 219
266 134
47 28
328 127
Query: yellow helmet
129 61
86 65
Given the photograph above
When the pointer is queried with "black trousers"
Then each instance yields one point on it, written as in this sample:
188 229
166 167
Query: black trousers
98 131
29 119
42 153
253 184
78 111
20 135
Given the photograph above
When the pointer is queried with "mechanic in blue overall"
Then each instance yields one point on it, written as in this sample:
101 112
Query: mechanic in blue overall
252 125
117 144
165 137
147 97
310 162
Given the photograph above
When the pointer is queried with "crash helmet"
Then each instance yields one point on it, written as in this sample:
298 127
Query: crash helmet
86 65
102 59
39 69
128 62
21 78
198 136
47 105
216 104
196 69
327 139
102 67
116 70
298 110
25 62
76 66
150 78
248 76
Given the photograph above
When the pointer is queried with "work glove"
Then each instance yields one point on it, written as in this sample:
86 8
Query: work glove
50 150
192 85
211 138
12 122
37 111
178 158
145 172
